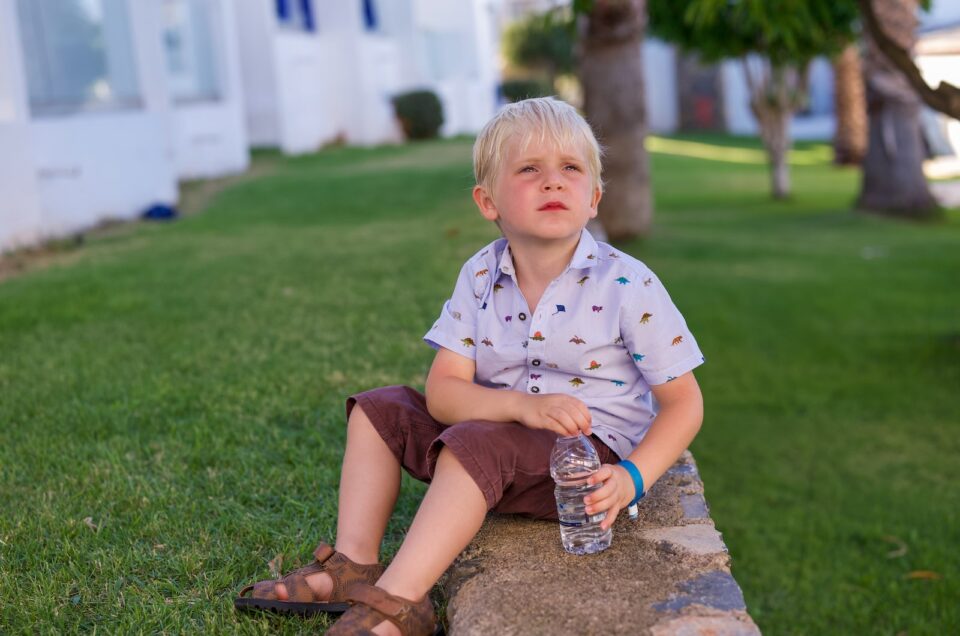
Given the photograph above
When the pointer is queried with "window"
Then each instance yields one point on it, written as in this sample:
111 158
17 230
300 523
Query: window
296 15
78 55
370 15
189 44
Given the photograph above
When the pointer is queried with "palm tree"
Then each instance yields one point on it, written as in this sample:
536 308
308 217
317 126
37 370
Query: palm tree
610 68
850 103
893 180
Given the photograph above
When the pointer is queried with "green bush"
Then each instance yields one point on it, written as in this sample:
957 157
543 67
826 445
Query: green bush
420 113
542 42
517 89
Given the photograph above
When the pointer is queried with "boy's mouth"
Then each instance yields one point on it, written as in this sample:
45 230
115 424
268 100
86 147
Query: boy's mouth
552 205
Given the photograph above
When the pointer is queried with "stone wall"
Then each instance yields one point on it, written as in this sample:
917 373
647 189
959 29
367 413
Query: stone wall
667 573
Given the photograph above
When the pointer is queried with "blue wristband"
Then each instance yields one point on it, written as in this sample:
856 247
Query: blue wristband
637 479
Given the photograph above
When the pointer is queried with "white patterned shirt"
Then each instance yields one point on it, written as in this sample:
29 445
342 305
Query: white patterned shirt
605 330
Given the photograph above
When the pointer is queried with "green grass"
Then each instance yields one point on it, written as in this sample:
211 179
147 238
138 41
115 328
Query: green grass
182 386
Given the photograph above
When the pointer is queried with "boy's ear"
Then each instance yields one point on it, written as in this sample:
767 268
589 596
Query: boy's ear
595 201
485 203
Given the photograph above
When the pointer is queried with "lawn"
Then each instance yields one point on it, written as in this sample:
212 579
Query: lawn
171 395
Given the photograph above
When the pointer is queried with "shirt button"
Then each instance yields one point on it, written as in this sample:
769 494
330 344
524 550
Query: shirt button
535 363
534 389
522 316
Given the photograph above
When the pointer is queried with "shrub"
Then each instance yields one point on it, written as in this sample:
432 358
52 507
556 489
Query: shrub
517 89
420 113
542 41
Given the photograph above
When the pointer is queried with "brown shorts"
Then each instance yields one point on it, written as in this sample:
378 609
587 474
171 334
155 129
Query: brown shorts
509 462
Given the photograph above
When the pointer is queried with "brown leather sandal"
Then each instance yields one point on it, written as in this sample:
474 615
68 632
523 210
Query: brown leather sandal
300 597
373 605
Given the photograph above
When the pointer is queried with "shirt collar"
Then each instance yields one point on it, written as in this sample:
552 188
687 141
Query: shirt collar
584 256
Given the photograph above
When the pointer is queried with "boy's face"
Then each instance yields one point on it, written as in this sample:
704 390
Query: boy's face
541 193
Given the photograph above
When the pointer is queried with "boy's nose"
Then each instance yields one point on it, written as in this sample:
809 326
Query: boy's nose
552 183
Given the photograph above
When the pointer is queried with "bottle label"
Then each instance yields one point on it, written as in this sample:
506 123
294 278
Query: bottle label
597 518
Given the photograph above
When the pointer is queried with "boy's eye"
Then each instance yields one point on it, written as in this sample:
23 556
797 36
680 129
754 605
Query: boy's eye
572 167
527 169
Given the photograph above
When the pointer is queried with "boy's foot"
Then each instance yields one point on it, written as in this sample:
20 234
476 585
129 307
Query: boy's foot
377 611
320 583
318 587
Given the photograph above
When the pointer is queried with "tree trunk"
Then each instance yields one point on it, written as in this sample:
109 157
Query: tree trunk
610 68
774 122
850 104
776 139
893 180
774 96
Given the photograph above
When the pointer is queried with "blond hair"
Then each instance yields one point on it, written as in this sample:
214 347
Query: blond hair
540 118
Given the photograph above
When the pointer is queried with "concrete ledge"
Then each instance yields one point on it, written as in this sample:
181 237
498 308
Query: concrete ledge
666 574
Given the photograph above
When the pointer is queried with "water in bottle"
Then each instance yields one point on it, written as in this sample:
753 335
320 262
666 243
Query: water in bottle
572 461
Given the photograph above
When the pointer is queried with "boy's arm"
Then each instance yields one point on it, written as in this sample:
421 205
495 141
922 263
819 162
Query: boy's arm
679 419
453 396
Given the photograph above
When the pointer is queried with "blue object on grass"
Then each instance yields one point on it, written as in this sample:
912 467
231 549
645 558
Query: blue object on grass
160 212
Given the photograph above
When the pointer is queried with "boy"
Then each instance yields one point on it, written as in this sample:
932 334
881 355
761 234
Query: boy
547 333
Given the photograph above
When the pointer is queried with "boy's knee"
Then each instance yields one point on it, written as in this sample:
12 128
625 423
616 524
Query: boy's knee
357 413
358 419
359 423
446 456
448 459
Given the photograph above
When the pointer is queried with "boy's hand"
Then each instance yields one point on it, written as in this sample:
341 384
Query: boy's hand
557 412
617 491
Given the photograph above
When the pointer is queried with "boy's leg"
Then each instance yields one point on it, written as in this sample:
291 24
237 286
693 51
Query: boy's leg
369 486
450 516
477 466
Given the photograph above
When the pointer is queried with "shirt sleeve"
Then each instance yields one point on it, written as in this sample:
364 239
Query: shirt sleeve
456 327
655 333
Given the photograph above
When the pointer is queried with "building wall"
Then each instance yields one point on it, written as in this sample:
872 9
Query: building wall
660 83
941 13
20 222
62 173
300 63
105 166
304 89
454 51
210 136
938 58
256 25
481 102
113 164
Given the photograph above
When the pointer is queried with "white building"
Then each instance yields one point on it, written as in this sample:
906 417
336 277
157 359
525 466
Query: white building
20 217
100 112
291 74
205 88
317 72
106 104
938 58
451 48
89 113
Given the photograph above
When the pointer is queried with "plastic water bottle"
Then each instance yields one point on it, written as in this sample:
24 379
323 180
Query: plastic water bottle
572 461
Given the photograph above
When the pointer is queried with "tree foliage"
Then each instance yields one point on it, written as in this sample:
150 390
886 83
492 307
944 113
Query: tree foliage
784 31
543 42
777 39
